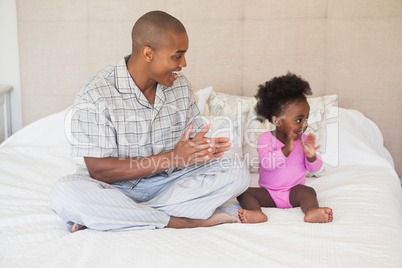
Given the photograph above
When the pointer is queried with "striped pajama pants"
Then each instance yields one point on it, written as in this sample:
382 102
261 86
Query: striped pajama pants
194 192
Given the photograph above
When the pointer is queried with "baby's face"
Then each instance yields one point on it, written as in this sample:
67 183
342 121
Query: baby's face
294 119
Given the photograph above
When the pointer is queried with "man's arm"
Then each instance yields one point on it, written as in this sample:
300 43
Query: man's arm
186 153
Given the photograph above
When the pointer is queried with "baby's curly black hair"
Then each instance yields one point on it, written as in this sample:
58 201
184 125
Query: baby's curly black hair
274 96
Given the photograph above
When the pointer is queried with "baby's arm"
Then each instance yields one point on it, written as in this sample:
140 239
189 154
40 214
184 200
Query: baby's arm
309 148
313 161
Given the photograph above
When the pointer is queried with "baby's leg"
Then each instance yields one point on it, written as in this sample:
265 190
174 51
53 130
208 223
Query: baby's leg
251 202
306 198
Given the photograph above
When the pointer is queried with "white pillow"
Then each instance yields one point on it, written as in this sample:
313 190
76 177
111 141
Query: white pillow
319 109
232 111
47 131
253 130
201 97
319 113
223 126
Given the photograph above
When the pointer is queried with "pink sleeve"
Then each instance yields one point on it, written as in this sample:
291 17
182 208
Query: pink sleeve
313 166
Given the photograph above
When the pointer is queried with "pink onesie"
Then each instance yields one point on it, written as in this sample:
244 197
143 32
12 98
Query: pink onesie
278 173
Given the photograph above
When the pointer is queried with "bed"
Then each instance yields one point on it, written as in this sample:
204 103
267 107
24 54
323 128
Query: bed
358 182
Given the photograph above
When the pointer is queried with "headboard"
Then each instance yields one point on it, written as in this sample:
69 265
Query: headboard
349 48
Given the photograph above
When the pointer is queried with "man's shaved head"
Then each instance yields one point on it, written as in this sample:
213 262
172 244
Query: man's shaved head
152 29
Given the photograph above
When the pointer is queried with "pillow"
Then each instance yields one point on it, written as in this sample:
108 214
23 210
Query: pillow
253 130
232 110
201 97
222 126
319 113
319 109
47 131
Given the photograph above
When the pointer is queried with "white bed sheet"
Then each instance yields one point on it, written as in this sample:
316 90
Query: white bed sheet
359 184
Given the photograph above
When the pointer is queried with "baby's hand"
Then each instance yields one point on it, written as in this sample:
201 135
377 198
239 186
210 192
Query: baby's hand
309 148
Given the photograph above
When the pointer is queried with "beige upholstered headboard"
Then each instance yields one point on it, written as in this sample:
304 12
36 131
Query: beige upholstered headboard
352 48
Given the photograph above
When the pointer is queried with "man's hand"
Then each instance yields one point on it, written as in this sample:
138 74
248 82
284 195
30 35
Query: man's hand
199 149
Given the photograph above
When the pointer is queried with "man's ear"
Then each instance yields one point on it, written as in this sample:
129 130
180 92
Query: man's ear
148 53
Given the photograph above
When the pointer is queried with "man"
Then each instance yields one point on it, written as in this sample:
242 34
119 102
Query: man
133 125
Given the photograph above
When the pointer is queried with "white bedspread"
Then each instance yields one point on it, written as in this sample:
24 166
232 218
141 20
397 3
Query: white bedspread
362 189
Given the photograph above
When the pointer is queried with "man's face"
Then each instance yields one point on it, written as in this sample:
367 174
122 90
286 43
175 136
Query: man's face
169 58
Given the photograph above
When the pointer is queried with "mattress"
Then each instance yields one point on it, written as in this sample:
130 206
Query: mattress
359 183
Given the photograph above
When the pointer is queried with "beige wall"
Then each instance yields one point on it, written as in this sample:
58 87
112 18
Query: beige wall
349 47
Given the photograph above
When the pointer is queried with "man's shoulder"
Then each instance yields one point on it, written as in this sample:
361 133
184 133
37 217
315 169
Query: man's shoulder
103 78
97 84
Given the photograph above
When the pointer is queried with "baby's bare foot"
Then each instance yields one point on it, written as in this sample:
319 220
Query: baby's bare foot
76 227
319 215
252 216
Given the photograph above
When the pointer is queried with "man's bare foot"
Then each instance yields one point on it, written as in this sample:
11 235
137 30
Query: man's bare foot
76 227
176 222
319 215
252 216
